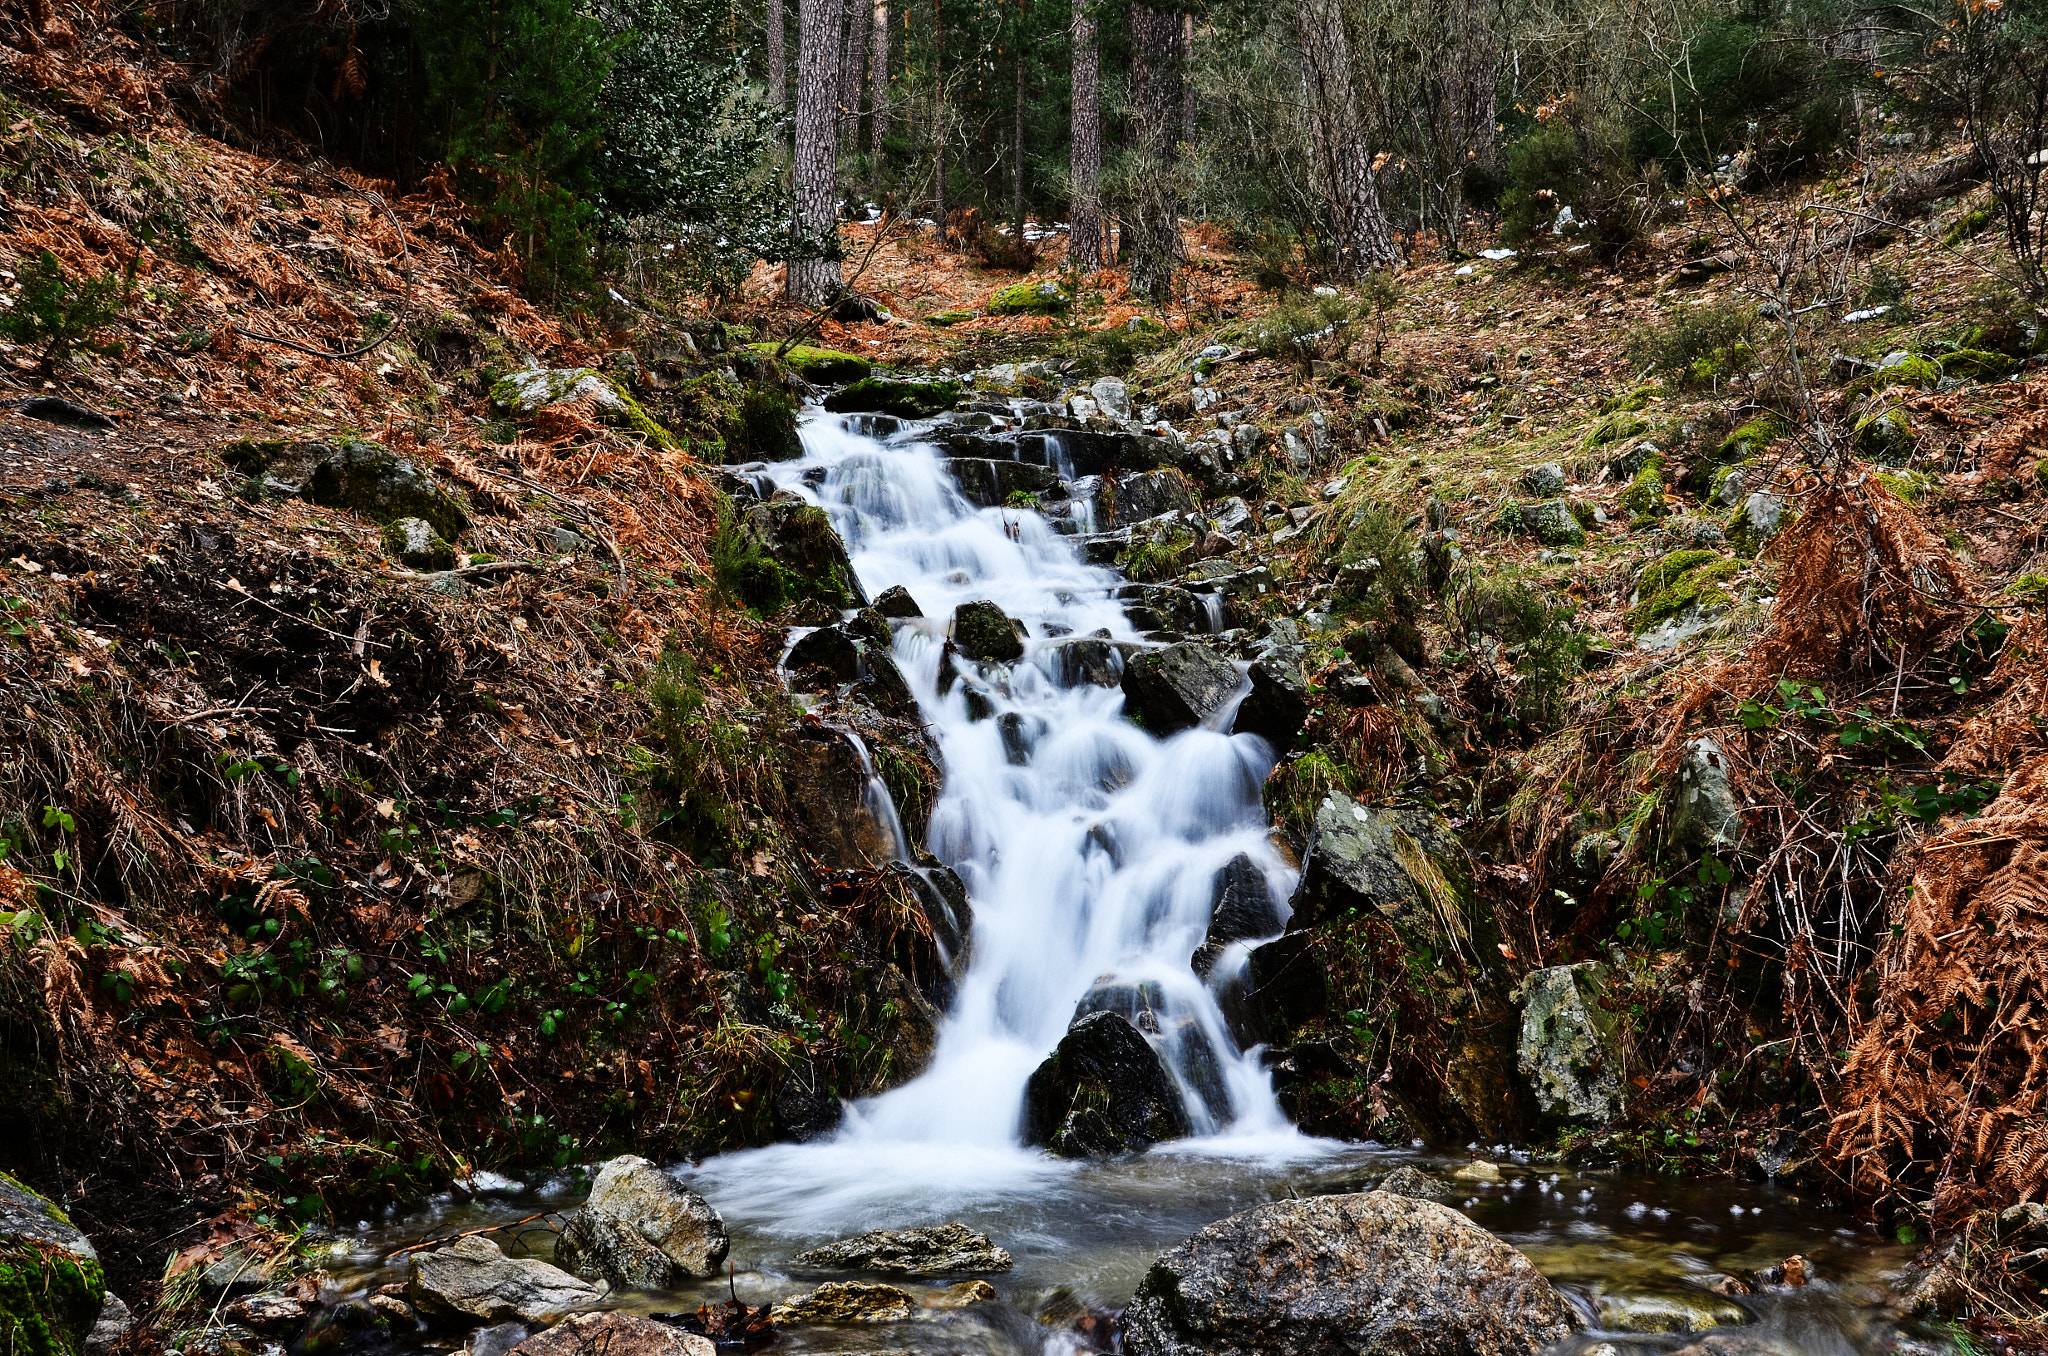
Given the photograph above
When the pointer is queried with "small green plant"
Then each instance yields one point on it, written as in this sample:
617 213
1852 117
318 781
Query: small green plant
1157 558
59 316
743 574
1698 346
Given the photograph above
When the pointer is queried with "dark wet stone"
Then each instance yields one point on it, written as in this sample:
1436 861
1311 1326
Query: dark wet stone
1104 1090
931 1250
1276 708
1182 685
896 603
982 631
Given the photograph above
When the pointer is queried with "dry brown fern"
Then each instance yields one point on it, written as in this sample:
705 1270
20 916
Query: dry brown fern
1945 1090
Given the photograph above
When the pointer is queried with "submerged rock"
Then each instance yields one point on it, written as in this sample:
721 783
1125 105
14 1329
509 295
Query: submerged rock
1409 1180
1372 1274
1689 1311
615 1334
931 1250
641 1227
962 1295
1103 1091
1567 1043
846 1302
472 1281
1182 685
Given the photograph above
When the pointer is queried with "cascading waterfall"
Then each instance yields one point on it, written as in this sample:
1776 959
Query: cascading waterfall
1089 848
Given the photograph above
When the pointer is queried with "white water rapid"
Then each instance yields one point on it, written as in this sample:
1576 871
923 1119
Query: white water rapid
1089 848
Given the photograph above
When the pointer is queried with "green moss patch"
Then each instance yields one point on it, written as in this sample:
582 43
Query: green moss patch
820 366
953 317
1884 436
1976 364
1672 584
723 419
1616 427
1644 496
890 395
1750 440
1043 297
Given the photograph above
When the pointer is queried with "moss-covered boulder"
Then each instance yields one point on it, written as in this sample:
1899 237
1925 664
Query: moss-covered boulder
982 631
361 477
1678 583
1750 440
523 394
51 1284
1045 296
414 542
820 366
1644 496
895 395
1976 364
1553 523
798 556
956 316
1617 427
721 418
1884 436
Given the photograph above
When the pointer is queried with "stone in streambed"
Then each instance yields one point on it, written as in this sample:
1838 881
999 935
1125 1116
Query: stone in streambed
1180 686
1372 1274
1103 1091
615 1335
846 1302
962 1295
1690 1311
931 1250
896 604
1567 1049
1241 908
472 1281
641 1227
981 631
1409 1180
1277 706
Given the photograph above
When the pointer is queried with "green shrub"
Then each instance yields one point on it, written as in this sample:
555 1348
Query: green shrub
1394 592
1587 169
58 316
1698 346
742 572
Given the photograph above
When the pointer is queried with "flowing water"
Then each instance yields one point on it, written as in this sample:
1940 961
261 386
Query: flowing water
1089 849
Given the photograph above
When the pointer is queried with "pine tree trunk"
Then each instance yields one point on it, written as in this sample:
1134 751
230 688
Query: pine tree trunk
1343 160
878 70
1187 97
1084 243
778 58
1017 137
814 274
853 88
1154 234
938 120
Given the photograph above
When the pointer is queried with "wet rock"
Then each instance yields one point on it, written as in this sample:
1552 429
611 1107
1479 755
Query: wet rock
989 482
826 780
1285 985
831 653
1372 1274
962 1295
981 631
394 1309
350 474
1789 1274
1240 908
1085 660
1409 1180
1182 609
1182 685
931 1250
1139 1004
805 1106
896 604
1690 1311
850 656
642 1228
906 399
1370 858
268 1313
1276 708
1567 1050
812 561
846 1302
1704 813
236 1272
1103 1091
943 896
614 1334
499 1339
472 1281
1139 497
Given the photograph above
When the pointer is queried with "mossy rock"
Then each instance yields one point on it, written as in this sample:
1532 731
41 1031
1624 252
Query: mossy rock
413 541
1885 436
1553 523
1616 427
724 419
1911 486
807 559
1644 496
1628 401
953 317
51 1282
523 394
1750 440
361 477
1746 534
1976 364
1044 297
819 366
1681 580
1908 369
893 395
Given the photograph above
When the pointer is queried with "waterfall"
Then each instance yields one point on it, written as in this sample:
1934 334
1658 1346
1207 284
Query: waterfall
1088 847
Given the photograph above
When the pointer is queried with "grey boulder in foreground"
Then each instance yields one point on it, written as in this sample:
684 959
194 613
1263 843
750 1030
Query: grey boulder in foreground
1371 1274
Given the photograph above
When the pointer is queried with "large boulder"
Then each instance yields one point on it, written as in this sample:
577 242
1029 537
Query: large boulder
642 1228
1399 862
931 1250
1567 1049
1180 686
1103 1091
804 556
52 1289
1373 1274
982 631
472 1281
1277 706
830 785
360 477
1241 908
614 1334
990 481
524 394
1147 495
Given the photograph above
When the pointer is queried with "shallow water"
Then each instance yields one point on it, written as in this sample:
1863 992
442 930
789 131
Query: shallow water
1089 860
